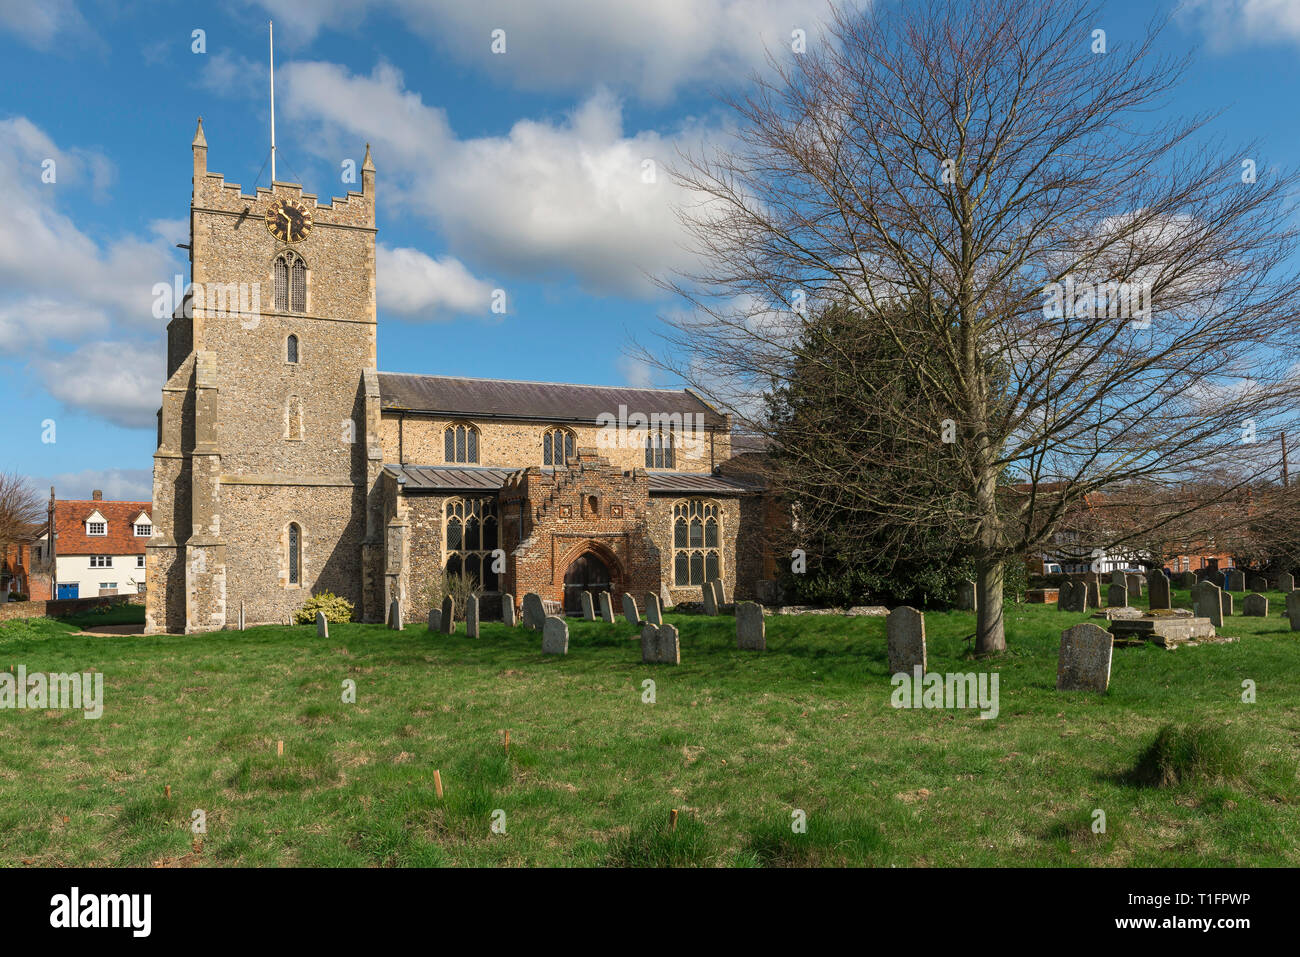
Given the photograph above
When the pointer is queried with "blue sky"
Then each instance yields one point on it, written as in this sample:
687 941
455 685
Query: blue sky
520 171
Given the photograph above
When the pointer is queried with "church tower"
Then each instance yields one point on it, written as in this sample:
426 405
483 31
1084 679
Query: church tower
268 436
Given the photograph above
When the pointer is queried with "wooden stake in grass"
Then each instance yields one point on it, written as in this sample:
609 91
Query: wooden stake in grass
279 749
167 792
507 740
672 820
437 783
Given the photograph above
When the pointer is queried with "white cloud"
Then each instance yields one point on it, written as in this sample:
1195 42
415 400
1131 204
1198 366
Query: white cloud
234 75
1231 23
116 381
414 284
576 195
636 372
650 49
39 23
123 485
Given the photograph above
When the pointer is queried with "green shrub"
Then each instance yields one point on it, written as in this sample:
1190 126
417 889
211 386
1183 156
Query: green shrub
1189 754
338 610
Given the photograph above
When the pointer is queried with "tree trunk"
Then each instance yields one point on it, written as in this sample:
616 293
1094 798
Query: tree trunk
990 633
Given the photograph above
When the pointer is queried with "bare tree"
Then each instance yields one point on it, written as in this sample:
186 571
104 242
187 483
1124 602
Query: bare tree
1106 291
21 509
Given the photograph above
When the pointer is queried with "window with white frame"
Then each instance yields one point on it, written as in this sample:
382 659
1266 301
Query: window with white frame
143 531
139 561
101 561
96 528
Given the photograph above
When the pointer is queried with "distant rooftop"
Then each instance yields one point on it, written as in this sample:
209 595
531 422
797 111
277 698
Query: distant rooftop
547 401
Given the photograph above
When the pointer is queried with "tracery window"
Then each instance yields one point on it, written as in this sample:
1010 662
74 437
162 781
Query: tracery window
659 452
460 444
697 549
557 447
290 282
470 538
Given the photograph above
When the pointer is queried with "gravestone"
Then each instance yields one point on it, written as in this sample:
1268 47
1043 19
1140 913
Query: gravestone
710 599
1258 583
322 625
606 608
1084 660
588 609
435 620
1187 580
906 630
665 596
1293 608
1286 583
1255 606
471 616
630 611
1226 598
1117 577
1208 602
1134 585
448 616
1117 596
395 615
534 614
1065 596
654 612
966 596
660 645
719 592
1236 580
1093 595
508 610
1159 590
751 630
555 636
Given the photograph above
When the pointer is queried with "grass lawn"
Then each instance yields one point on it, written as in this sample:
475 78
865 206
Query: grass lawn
735 741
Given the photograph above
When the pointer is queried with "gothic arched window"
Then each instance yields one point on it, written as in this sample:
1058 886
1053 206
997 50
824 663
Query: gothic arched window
557 447
291 349
697 548
295 554
470 539
659 450
460 444
290 282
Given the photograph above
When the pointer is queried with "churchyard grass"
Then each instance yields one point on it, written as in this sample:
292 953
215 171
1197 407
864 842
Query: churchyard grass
736 742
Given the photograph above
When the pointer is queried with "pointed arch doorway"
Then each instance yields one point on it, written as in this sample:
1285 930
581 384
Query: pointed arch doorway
588 572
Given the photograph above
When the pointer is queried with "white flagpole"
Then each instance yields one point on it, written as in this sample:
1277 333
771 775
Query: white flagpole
270 27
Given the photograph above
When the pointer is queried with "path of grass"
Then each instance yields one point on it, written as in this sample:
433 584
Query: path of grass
735 741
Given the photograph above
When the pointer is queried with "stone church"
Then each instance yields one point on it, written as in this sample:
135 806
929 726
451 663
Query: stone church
288 464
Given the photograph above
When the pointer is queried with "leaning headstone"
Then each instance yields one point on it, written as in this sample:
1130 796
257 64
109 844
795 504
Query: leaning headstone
1094 595
555 636
1258 583
471 616
751 631
630 611
1084 660
654 612
1065 596
1286 583
660 645
1226 598
508 610
449 616
1236 580
906 630
710 599
435 619
534 614
1293 608
966 600
606 608
1255 606
322 625
1208 603
395 615
1159 590
1134 584
588 611
1117 596
720 592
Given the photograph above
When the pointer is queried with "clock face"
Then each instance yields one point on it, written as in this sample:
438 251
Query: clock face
288 220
